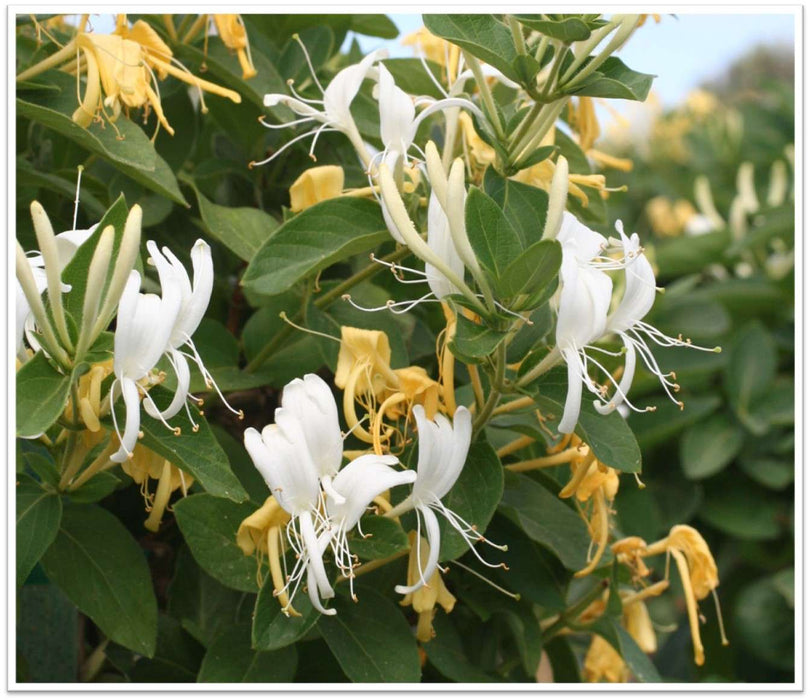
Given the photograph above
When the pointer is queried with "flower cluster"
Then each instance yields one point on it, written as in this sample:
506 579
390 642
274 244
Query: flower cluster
300 457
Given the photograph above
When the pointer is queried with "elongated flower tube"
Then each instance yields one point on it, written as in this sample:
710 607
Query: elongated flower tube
144 327
440 241
194 302
354 489
280 453
333 112
582 312
443 451
311 401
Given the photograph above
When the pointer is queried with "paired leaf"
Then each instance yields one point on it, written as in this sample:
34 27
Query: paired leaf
101 568
473 342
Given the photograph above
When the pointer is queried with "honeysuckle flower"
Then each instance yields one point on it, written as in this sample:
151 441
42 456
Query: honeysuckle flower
121 70
316 185
425 599
584 300
441 242
588 130
144 327
627 322
281 454
333 112
311 402
194 302
443 451
231 30
696 568
144 464
89 404
354 488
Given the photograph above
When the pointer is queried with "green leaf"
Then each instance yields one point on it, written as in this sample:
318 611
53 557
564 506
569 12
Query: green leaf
771 472
739 508
123 144
371 640
637 661
197 453
242 229
564 663
524 206
176 659
765 623
709 447
101 568
534 269
38 516
567 30
98 487
383 538
272 629
493 239
611 440
482 35
474 497
27 176
446 652
546 519
750 371
75 273
689 254
230 659
316 238
473 341
209 526
410 75
42 393
614 80
202 605
374 25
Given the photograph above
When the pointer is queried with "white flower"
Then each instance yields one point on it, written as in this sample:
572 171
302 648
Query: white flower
333 112
440 241
311 401
281 455
626 321
443 451
584 300
143 329
194 302
355 487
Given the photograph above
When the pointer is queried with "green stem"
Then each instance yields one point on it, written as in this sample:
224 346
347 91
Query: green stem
70 461
486 93
549 361
323 301
517 35
525 125
544 124
553 75
494 390
541 49
590 44
570 614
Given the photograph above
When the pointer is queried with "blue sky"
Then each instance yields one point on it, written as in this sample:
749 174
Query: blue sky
682 51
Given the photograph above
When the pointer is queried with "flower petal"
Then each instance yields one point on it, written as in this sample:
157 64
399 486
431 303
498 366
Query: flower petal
132 400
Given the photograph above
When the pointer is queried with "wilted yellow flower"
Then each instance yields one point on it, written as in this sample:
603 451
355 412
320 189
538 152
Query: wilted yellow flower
603 663
144 464
435 49
482 153
587 127
89 395
316 185
231 30
262 533
121 69
425 599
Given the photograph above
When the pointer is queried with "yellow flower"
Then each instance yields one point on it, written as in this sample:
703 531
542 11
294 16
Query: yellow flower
262 533
435 49
603 662
121 71
316 185
89 395
587 127
482 153
146 464
425 599
231 30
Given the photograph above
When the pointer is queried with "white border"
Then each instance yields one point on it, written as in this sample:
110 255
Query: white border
308 7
